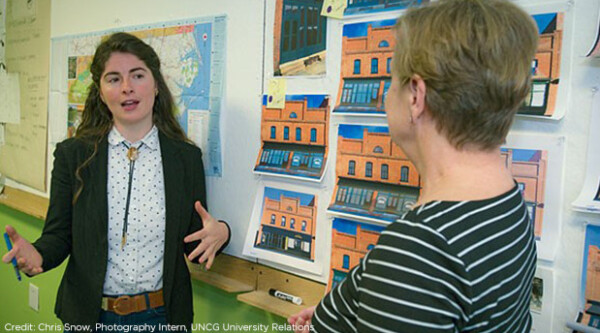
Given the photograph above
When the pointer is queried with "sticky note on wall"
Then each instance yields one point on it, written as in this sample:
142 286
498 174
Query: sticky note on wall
276 94
334 8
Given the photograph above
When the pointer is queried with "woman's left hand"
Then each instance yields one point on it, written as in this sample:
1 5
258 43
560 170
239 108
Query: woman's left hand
212 236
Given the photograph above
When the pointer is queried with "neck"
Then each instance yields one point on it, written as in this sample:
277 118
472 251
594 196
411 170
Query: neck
134 133
455 175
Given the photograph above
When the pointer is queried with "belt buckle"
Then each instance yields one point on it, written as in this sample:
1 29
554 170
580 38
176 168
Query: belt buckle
118 301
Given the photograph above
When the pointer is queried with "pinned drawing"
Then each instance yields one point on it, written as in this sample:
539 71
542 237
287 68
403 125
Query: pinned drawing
545 67
528 168
299 38
367 50
294 139
375 180
350 242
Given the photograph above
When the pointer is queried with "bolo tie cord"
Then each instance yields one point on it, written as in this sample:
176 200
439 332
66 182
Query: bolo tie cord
132 155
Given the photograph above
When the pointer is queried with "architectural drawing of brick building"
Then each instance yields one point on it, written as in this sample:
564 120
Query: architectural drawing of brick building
530 174
592 285
592 288
288 227
375 178
295 138
299 35
366 68
545 66
347 250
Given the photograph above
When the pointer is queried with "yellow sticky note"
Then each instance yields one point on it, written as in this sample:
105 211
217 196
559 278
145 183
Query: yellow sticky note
334 8
276 94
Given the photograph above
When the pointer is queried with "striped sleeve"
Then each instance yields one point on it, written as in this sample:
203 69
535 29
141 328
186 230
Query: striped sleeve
337 310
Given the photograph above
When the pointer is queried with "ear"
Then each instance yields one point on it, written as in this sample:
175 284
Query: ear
418 90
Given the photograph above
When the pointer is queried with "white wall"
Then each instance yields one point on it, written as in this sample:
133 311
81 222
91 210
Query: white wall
232 197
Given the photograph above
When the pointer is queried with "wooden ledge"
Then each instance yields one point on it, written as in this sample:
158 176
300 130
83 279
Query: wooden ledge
25 202
311 292
229 273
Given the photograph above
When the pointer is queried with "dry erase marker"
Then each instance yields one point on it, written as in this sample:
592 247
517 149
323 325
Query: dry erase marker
286 297
14 260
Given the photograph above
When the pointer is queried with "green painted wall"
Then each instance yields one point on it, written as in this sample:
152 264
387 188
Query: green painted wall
211 305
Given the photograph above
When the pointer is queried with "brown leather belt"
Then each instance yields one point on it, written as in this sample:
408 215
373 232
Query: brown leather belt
124 305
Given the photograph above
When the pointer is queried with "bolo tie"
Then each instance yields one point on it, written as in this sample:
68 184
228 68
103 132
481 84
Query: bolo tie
132 155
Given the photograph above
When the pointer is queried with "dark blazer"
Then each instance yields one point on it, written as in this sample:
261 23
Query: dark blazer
80 229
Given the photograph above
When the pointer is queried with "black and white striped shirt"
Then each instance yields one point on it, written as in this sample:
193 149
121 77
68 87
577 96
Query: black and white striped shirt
444 267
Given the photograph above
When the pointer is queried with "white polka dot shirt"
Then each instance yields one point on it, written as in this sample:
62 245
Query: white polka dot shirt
138 266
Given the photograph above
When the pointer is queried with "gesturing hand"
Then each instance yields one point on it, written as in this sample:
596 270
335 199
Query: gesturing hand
29 259
212 236
302 320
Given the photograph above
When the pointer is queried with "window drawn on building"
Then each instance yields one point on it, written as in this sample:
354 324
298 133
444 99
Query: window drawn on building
294 34
351 168
272 218
404 174
346 263
384 171
283 221
286 133
383 43
360 93
298 134
374 66
369 169
303 225
378 150
293 115
313 135
381 202
302 27
286 34
273 132
292 223
356 66
388 65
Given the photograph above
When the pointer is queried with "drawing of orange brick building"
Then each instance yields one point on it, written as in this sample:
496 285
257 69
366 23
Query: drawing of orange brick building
591 315
299 37
545 66
350 242
375 178
592 285
529 170
287 226
295 138
367 50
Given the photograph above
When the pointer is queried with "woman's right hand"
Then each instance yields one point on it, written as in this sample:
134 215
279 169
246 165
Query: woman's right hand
302 320
29 260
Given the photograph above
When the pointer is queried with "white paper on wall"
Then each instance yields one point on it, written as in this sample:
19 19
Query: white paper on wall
10 92
589 198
